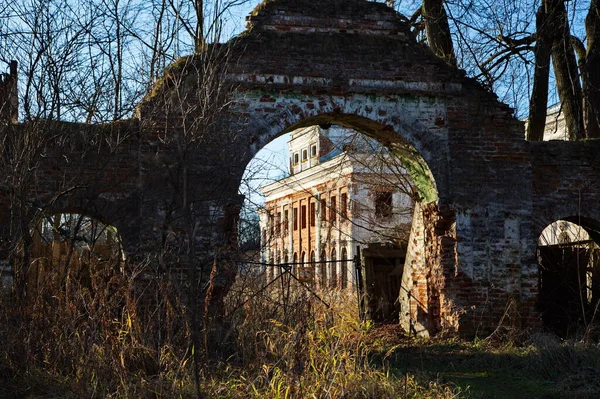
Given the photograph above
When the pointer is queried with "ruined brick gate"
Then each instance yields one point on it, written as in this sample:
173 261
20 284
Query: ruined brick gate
487 193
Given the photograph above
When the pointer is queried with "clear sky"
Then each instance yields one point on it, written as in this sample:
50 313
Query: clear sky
234 20
268 165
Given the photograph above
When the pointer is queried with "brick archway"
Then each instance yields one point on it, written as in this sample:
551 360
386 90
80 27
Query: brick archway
354 63
397 136
346 68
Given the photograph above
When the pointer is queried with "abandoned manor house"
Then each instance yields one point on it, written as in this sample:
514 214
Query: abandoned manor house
498 230
345 191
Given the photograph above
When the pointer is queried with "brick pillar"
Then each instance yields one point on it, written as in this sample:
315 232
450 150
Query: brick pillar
431 306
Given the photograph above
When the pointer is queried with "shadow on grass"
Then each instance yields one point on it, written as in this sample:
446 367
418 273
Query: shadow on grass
545 368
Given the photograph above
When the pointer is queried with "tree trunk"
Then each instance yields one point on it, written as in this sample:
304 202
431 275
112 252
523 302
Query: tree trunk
591 70
199 39
539 96
438 30
565 69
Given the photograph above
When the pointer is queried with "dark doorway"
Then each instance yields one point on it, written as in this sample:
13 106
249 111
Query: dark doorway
568 280
383 275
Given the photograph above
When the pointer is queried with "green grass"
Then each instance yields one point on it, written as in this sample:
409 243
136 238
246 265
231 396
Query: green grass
533 370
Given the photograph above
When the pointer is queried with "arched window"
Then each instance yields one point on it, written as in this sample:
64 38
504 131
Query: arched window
277 266
303 270
323 270
286 260
333 269
312 265
295 264
344 269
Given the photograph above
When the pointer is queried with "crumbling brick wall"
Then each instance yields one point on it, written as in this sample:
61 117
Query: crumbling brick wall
485 190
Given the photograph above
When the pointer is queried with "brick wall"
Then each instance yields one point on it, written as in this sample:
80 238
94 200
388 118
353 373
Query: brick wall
353 63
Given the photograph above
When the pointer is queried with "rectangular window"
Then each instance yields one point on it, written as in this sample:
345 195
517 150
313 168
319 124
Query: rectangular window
295 221
383 204
304 155
313 150
278 223
271 224
313 212
296 159
344 205
286 220
323 210
303 213
333 209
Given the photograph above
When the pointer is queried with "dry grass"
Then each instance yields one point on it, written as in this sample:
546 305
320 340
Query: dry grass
290 344
126 337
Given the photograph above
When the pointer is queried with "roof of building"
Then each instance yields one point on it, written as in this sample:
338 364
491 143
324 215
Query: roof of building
338 142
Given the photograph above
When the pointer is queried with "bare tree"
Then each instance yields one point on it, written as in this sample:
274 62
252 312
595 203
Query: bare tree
591 71
514 58
438 30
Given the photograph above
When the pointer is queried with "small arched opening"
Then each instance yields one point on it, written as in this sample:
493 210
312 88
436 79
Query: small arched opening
344 269
333 277
67 248
295 264
323 269
569 276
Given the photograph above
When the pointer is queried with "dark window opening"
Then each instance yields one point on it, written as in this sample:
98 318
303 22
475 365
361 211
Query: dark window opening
278 223
312 214
295 221
332 270
323 270
333 209
383 204
569 278
323 210
303 213
344 205
344 269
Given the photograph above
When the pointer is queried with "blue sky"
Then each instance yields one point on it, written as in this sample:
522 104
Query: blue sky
268 165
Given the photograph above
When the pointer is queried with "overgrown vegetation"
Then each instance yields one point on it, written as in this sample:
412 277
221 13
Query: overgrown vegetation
124 336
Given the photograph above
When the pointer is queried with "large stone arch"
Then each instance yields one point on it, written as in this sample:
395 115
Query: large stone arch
356 63
400 137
